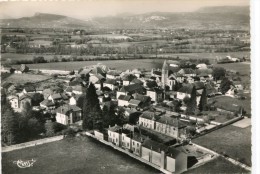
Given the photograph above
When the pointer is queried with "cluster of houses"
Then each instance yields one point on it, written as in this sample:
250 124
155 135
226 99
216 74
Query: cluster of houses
159 154
132 90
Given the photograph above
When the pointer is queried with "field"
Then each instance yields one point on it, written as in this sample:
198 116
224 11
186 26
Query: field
218 165
246 104
243 68
211 56
78 156
234 141
147 64
24 78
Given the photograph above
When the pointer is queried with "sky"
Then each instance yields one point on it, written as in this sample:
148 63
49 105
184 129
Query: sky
91 8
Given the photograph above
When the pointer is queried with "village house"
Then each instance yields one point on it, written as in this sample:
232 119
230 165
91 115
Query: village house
114 135
170 126
128 78
68 114
29 89
47 104
8 87
156 73
78 89
137 141
123 100
23 69
131 89
113 74
231 92
140 100
47 92
147 119
110 83
14 101
155 94
154 152
77 81
202 66
96 78
170 159
73 99
180 77
137 81
187 72
126 139
176 160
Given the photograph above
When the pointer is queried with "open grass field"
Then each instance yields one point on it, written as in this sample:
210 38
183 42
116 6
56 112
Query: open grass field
246 104
14 56
243 68
234 141
80 155
24 78
211 56
218 165
147 64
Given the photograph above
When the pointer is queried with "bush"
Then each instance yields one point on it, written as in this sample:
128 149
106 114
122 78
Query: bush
69 132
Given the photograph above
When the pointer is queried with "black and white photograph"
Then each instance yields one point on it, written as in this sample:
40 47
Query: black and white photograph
123 87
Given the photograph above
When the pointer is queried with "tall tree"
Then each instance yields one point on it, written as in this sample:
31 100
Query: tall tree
192 104
9 125
92 113
218 73
225 85
203 100
37 99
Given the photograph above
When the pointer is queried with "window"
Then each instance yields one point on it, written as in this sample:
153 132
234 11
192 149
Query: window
137 150
116 139
133 149
133 143
137 144
127 144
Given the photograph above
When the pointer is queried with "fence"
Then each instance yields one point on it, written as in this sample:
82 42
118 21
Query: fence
31 143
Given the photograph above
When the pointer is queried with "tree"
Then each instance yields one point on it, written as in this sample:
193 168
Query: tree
191 130
37 99
203 100
72 72
218 73
49 128
192 104
27 110
9 124
186 100
91 109
225 85
39 59
107 120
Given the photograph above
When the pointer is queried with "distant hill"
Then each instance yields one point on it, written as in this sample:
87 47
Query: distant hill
44 20
226 9
227 17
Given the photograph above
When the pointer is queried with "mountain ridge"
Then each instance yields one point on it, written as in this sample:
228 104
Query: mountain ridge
221 17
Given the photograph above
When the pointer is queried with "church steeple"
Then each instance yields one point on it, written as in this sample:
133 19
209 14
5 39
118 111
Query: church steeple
165 73
165 66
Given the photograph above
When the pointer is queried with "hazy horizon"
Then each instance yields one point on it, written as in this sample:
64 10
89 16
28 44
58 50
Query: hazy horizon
88 9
